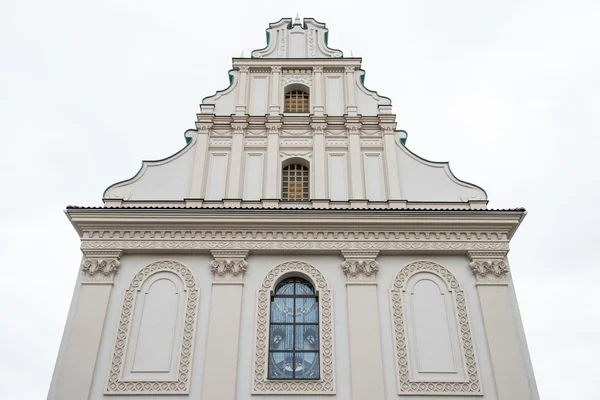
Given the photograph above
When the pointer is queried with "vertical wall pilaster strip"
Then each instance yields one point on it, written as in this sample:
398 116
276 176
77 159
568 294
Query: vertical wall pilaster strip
273 165
366 363
318 106
389 150
508 363
240 104
357 189
320 158
351 107
199 173
220 363
75 379
236 161
274 108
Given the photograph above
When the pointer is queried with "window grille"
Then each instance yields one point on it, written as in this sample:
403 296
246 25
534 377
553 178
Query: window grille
295 183
294 331
296 101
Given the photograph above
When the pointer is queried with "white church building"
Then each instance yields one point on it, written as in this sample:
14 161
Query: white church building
294 248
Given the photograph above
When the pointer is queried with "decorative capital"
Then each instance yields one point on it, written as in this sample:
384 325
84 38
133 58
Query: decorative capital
100 266
360 266
204 127
273 127
318 69
489 267
244 68
388 128
349 69
238 128
229 266
276 69
318 127
353 128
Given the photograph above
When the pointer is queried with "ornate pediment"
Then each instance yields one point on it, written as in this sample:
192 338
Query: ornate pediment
297 39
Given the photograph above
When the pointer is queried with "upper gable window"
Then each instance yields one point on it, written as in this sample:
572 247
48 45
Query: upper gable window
296 101
294 183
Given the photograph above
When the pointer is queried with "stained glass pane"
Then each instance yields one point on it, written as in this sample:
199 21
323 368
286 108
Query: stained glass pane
306 366
304 288
281 337
307 337
307 310
281 365
282 310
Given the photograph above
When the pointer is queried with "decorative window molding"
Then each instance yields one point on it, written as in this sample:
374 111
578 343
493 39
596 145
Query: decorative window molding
324 385
179 384
406 382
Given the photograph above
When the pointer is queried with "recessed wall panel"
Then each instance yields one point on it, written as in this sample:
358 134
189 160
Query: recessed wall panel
217 176
374 177
334 95
253 181
258 101
338 177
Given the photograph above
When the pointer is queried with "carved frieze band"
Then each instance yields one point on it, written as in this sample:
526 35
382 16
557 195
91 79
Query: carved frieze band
229 266
299 244
489 267
360 266
100 266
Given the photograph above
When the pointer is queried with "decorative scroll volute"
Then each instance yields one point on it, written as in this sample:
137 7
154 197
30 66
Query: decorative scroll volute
229 265
489 267
360 266
100 266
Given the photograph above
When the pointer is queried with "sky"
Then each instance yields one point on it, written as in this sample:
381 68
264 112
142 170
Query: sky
507 91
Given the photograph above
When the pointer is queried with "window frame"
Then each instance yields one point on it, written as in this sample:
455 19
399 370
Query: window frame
325 385
302 172
295 280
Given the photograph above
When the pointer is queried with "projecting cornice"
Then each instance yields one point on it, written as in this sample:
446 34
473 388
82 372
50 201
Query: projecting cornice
310 230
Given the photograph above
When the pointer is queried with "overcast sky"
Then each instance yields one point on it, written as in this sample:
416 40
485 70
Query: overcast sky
507 91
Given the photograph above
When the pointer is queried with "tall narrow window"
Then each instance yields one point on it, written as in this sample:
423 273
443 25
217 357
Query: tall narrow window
294 183
294 331
296 101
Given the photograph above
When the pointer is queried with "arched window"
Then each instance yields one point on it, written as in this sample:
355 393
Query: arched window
294 183
294 331
296 101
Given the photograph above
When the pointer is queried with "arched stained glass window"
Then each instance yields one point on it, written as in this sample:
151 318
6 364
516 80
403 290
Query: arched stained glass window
294 331
294 183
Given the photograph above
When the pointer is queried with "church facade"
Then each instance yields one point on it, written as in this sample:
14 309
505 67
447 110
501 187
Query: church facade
294 247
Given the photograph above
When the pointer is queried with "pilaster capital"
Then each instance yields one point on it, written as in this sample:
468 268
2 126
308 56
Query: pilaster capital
353 128
489 267
203 127
276 69
388 129
238 127
317 69
229 265
360 266
273 127
318 127
100 267
349 69
244 68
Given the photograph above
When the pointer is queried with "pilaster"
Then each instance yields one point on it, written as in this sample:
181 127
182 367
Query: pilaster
274 107
389 152
506 352
318 106
220 372
357 187
273 166
236 157
240 105
199 172
319 160
99 268
351 107
366 361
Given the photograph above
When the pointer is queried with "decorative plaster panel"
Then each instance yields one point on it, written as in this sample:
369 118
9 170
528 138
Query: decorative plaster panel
407 385
180 385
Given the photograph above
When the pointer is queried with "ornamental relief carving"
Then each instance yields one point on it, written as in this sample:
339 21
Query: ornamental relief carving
100 270
326 383
405 384
288 245
360 270
180 385
229 270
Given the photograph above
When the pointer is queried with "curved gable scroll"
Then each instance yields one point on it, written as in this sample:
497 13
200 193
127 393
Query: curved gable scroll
432 333
155 337
261 383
